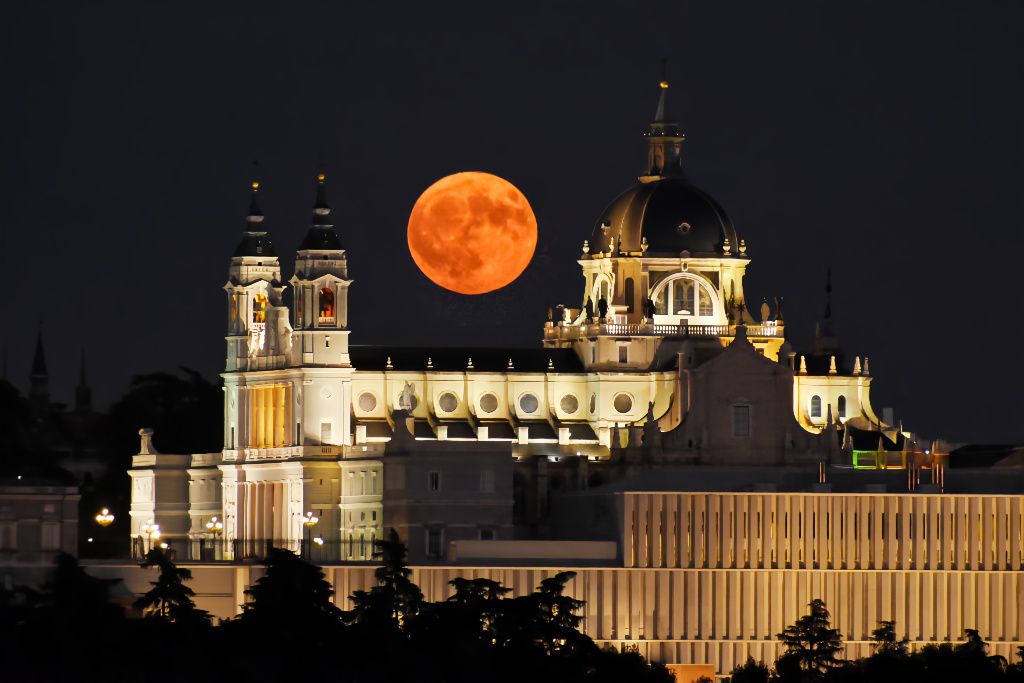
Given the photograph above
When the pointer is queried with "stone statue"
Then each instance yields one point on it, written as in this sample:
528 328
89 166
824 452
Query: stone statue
406 397
590 309
649 309
602 307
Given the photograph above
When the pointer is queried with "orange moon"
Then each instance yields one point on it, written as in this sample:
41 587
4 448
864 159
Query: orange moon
472 232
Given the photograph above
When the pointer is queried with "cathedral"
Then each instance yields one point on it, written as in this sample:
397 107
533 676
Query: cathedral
704 478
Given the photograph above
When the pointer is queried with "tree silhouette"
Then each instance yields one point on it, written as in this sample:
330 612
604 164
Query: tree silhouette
170 598
395 601
750 672
291 592
812 645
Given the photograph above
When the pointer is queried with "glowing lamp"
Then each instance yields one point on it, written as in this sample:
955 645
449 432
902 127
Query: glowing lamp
310 520
104 518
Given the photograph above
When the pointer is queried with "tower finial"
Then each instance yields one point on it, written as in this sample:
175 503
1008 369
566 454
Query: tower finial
664 141
321 209
321 235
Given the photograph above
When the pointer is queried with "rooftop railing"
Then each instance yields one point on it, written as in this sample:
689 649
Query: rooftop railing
571 332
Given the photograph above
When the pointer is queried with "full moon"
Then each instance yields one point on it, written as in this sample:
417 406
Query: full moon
472 232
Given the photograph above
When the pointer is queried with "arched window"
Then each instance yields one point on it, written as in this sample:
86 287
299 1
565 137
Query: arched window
327 305
815 406
629 294
684 297
842 407
259 308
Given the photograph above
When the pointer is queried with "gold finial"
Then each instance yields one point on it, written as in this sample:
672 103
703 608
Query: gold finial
255 184
321 177
663 85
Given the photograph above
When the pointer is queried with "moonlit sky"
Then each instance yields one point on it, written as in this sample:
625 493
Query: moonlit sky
882 139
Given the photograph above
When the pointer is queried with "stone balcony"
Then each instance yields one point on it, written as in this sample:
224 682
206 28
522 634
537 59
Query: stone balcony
281 453
563 332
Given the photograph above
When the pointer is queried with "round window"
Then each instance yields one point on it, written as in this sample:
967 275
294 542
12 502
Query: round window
488 403
448 402
623 403
367 402
570 404
593 403
528 403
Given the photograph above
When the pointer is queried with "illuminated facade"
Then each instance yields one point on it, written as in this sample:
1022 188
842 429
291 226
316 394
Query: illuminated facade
706 479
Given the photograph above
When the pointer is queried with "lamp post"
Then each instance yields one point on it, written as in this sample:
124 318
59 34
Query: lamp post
152 532
216 528
309 522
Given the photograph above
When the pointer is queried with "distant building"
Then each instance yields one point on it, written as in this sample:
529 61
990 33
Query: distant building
38 519
705 478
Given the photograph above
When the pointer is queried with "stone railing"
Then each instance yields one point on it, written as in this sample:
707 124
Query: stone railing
572 332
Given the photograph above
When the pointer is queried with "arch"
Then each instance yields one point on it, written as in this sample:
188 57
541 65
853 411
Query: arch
629 293
815 406
327 305
841 407
601 288
685 296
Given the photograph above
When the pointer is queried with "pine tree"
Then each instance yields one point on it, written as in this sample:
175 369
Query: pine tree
395 601
750 672
811 643
884 643
291 594
170 598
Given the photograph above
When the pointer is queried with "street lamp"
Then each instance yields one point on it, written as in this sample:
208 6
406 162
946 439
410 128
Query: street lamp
216 528
152 531
309 522
104 518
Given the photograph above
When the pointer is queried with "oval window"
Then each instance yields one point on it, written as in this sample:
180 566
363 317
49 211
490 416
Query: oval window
623 403
448 402
488 403
570 404
367 402
528 403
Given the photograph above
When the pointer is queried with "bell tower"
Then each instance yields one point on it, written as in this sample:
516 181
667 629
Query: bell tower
258 324
320 291
320 348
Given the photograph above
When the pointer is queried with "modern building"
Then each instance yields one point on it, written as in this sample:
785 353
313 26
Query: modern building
666 441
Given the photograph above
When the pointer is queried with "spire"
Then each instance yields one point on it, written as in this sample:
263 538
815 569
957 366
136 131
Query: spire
83 394
255 241
321 235
39 378
664 141
825 339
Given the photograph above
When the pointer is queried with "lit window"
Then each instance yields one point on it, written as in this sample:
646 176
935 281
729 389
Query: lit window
327 305
741 421
815 406
259 308
841 407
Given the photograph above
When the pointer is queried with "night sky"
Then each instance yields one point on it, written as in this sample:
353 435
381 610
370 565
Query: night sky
882 139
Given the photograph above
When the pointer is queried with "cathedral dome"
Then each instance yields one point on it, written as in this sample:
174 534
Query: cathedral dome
671 215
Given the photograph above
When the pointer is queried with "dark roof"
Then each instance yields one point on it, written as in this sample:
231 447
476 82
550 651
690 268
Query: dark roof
867 439
255 244
658 210
456 359
498 429
321 239
980 455
581 431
